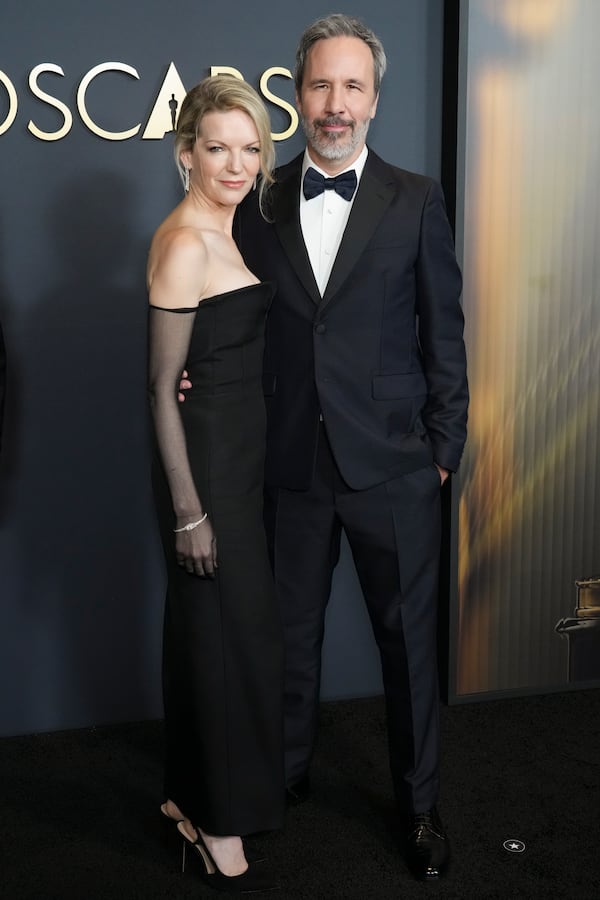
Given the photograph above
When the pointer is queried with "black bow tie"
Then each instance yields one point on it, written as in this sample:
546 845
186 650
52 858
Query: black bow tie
314 184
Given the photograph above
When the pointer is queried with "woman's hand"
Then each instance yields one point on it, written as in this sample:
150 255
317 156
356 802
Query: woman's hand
184 385
196 550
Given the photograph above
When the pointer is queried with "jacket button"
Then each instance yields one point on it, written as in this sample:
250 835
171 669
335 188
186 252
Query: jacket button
320 328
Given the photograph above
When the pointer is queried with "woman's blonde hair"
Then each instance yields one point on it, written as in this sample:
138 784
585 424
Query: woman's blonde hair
223 93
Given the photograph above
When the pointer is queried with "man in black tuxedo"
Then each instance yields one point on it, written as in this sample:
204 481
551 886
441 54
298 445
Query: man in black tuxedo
366 392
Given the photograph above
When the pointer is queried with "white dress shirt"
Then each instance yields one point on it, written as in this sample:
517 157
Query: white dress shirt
323 220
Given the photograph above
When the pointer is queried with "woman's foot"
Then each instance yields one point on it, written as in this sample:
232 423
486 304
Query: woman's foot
228 870
227 852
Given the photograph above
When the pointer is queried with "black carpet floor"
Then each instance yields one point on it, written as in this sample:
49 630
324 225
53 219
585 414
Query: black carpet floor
79 813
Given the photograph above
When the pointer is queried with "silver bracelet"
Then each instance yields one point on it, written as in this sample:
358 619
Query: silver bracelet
191 525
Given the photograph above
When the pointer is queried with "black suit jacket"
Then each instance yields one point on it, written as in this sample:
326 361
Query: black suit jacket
381 355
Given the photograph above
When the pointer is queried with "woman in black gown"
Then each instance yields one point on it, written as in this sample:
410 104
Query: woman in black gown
222 640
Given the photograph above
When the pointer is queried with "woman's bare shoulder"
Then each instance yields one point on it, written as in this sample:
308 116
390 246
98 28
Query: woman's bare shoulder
177 266
178 239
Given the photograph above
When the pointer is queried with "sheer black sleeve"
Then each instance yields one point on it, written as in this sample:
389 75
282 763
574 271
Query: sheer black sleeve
169 339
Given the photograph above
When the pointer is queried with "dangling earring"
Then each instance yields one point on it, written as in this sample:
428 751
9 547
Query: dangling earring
186 180
254 185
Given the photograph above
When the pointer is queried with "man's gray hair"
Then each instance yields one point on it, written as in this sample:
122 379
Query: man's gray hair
339 25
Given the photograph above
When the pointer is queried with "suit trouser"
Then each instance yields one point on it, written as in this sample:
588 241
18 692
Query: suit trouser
393 530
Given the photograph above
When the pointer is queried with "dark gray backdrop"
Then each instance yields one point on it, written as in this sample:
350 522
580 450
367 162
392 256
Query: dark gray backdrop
81 581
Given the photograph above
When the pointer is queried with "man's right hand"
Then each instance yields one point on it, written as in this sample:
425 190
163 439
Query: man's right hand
184 385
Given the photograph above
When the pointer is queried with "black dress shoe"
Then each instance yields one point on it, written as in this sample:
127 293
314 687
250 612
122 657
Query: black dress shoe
298 791
427 846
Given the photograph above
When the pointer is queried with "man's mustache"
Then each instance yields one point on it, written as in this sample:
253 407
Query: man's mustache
333 120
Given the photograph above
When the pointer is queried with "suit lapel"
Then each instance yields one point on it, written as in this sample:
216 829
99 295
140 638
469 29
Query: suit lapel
375 193
286 214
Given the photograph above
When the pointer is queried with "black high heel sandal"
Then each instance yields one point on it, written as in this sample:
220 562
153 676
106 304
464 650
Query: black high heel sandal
252 881
170 829
172 837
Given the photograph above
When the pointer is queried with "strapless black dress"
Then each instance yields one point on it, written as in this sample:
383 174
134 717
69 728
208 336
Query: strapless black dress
223 652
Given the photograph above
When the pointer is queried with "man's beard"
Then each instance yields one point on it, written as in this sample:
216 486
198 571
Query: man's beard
335 146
